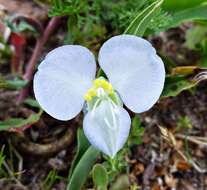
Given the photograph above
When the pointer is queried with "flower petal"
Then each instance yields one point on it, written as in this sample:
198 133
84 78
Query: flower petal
62 79
134 69
105 132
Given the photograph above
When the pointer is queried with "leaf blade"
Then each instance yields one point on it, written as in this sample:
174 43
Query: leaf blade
82 169
100 176
82 146
19 122
140 23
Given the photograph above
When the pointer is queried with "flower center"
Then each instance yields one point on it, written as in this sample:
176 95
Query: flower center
101 88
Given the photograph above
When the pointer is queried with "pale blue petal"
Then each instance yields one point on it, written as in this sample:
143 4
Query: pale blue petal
134 69
102 132
62 79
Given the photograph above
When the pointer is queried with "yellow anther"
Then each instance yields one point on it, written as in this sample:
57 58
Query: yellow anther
107 86
97 83
92 92
110 89
104 84
87 97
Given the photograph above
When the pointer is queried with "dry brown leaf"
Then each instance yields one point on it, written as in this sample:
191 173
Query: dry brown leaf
138 169
160 171
199 153
182 165
167 135
179 144
156 187
185 70
170 181
205 180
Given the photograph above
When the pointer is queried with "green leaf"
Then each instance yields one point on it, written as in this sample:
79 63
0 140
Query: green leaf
159 22
82 146
203 62
101 73
24 26
192 42
21 27
174 85
5 51
32 102
175 19
2 157
136 121
100 176
178 5
15 84
122 183
19 122
83 169
136 132
50 179
137 129
192 14
184 122
140 23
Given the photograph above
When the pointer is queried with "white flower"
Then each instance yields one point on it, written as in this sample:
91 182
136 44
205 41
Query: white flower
66 78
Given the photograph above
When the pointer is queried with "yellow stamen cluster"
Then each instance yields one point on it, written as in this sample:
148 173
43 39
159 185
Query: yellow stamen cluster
90 94
101 83
98 83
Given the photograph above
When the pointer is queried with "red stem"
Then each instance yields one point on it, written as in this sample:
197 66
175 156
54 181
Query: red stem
28 76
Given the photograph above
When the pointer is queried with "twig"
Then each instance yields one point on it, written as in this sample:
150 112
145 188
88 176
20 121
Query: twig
12 175
194 139
20 163
52 25
199 138
191 161
170 138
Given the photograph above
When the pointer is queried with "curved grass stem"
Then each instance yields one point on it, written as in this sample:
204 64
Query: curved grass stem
52 25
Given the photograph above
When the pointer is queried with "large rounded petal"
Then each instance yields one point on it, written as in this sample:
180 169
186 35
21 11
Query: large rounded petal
62 79
134 69
107 127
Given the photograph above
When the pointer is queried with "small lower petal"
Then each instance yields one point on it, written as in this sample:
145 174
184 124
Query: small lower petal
107 127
